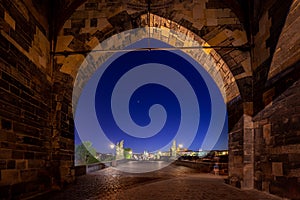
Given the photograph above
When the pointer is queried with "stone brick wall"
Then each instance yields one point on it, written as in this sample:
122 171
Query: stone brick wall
270 19
29 162
236 152
277 145
258 91
25 134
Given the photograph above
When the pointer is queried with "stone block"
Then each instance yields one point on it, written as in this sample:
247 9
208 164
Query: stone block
237 159
210 13
26 130
236 136
121 21
91 6
267 133
93 42
10 20
28 175
223 13
6 124
35 163
21 164
3 164
292 139
248 177
5 153
4 84
28 155
266 186
240 38
41 155
64 171
268 96
295 173
4 44
248 109
247 65
68 24
9 176
32 141
11 164
220 37
78 23
14 90
248 159
226 21
241 57
277 168
198 12
21 40
211 22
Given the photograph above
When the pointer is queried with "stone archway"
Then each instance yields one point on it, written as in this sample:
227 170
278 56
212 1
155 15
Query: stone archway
94 22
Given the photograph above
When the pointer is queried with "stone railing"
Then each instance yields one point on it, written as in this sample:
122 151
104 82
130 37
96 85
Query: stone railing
203 166
85 169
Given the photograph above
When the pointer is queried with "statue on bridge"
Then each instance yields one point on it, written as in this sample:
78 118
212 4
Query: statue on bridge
120 150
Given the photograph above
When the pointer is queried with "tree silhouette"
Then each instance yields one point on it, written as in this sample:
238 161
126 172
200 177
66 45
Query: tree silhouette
85 153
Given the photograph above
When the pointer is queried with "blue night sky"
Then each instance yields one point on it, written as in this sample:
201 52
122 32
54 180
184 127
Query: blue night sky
150 98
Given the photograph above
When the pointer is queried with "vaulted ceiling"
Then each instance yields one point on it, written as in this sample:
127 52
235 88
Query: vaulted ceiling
237 24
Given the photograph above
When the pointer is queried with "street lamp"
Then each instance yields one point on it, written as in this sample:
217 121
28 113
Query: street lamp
112 146
180 146
113 162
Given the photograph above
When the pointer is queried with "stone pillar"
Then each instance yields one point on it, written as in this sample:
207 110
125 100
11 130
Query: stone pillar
248 161
62 156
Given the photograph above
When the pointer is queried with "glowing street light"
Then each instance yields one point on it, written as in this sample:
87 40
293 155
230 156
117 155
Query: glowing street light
180 146
112 146
113 163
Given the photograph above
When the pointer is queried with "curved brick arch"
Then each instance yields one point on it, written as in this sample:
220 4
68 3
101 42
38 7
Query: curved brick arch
209 59
214 22
65 9
93 22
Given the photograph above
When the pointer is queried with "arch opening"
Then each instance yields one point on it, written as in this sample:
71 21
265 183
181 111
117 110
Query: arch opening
162 29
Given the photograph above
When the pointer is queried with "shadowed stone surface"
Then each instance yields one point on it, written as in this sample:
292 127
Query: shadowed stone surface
172 182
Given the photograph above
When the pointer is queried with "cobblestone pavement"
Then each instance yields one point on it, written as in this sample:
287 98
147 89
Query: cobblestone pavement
171 183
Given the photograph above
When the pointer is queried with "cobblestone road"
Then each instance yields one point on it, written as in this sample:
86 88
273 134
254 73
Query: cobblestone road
170 183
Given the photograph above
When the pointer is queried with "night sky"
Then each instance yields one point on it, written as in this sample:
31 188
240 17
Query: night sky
150 98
